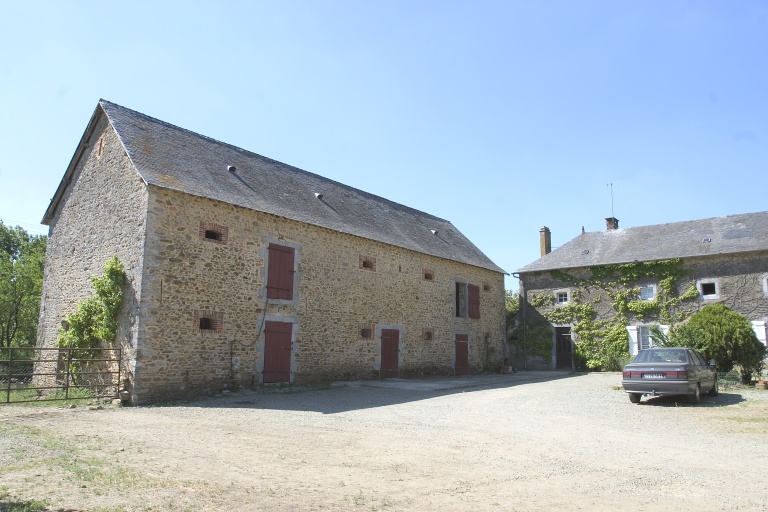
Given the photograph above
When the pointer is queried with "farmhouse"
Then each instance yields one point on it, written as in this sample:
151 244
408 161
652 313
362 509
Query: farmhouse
243 270
619 282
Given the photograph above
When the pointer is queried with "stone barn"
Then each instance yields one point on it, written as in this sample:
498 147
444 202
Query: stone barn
243 270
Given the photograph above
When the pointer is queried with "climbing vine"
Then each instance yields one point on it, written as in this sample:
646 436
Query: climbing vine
603 343
95 319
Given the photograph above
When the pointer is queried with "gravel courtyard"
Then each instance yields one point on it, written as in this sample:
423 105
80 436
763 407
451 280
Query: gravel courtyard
526 442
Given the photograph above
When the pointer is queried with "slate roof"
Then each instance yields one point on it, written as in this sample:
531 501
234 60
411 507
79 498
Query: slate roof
174 158
732 234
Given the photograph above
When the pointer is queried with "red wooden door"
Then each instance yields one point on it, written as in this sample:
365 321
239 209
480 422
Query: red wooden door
277 351
390 347
462 354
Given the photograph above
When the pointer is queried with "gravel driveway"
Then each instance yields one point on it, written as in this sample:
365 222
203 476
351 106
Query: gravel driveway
531 441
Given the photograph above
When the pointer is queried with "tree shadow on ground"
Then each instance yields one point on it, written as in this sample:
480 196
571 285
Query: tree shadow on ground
351 396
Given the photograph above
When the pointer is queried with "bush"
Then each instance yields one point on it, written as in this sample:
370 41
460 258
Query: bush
723 335
95 319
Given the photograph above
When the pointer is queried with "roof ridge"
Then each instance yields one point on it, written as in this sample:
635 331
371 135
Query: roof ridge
681 222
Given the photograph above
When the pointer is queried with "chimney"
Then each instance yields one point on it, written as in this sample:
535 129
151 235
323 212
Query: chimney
545 240
611 223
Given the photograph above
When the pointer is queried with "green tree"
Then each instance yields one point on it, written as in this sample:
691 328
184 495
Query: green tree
723 335
512 305
22 258
95 320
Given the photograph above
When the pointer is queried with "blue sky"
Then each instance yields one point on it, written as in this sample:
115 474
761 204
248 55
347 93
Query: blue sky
500 116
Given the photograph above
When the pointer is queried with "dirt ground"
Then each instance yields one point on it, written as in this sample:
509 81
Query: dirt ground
526 442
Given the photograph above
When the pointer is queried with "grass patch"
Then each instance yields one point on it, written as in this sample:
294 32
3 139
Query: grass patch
84 467
9 504
31 396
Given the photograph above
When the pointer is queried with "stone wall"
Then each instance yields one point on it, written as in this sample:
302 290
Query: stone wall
101 214
337 299
347 288
741 283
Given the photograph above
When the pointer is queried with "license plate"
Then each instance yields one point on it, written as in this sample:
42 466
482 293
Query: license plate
653 376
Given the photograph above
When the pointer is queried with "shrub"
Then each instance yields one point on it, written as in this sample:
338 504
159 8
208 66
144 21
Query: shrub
723 335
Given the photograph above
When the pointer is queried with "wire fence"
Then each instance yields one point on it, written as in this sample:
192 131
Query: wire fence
45 374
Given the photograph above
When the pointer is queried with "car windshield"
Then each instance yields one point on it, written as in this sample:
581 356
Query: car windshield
661 355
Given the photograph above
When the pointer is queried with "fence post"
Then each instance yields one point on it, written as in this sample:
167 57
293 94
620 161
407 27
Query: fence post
10 365
68 374
119 354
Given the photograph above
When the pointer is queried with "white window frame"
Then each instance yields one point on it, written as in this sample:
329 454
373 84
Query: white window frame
635 336
765 284
761 330
567 293
651 287
712 296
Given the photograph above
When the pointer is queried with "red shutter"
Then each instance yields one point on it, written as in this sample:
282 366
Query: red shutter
280 272
474 301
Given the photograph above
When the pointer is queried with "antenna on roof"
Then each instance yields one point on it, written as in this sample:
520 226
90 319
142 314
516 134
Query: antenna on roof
610 185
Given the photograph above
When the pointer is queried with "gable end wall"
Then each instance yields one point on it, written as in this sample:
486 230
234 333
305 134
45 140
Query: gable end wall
102 213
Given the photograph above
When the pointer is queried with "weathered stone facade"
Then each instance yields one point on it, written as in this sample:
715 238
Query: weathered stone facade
738 280
102 213
196 303
336 299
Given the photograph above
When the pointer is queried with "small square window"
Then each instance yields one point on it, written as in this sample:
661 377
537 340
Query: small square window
561 297
212 232
367 263
709 289
486 287
209 321
366 331
647 292
428 275
428 334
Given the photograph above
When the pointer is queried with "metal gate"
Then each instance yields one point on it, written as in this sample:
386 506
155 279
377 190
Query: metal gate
44 374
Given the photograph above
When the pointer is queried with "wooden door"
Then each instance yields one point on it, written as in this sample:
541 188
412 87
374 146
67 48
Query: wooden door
563 348
277 351
390 349
461 366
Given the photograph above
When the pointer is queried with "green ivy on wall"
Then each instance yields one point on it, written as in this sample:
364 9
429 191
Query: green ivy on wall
95 319
603 344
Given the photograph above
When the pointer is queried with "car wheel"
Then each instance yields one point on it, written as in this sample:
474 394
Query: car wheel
634 398
695 397
715 388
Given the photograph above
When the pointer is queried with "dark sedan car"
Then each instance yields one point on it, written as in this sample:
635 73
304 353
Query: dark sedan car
669 371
